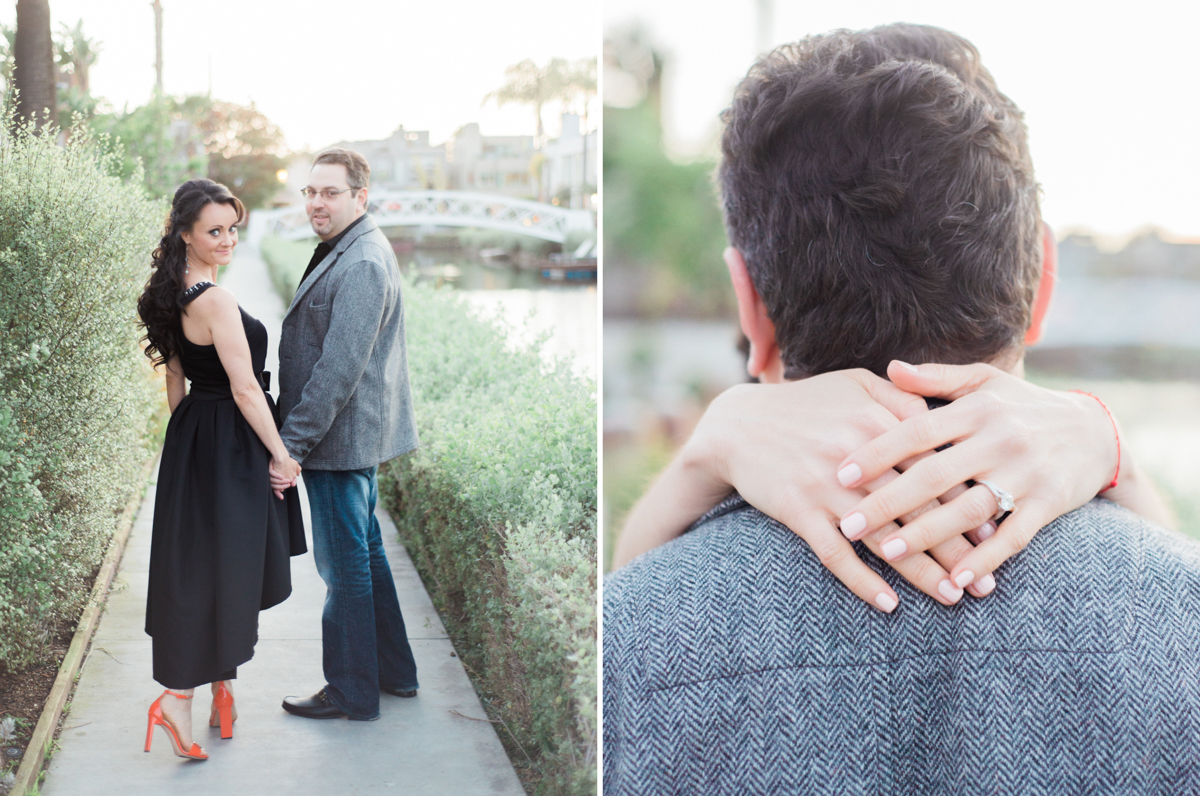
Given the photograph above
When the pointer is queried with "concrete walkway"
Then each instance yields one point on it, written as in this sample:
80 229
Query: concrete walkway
425 745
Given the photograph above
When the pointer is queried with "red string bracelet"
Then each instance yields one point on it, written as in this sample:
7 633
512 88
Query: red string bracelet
1112 420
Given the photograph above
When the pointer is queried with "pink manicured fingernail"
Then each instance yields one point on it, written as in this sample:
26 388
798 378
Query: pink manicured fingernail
949 591
964 578
853 525
907 366
886 602
985 530
849 474
986 584
894 549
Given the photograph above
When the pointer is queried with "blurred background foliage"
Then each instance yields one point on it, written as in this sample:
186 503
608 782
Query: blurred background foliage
663 234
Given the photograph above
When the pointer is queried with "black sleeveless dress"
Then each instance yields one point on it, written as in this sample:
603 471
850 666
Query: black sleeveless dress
222 540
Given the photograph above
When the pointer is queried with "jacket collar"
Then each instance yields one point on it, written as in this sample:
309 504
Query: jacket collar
362 228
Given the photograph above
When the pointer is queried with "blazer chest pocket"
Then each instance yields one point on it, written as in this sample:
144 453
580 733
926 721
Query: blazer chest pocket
316 323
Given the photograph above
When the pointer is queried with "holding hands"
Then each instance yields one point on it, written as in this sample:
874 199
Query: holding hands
284 472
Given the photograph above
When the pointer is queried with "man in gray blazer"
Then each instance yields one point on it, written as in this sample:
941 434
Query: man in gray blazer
346 408
880 202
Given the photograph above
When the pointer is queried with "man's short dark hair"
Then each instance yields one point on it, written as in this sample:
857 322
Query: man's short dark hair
880 188
358 172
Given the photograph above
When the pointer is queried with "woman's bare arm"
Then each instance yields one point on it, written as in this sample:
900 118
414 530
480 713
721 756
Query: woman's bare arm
218 310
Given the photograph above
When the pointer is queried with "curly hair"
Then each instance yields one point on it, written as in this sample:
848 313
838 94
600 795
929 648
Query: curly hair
160 305
880 188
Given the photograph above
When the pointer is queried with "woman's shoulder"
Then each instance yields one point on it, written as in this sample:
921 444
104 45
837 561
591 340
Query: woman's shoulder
208 297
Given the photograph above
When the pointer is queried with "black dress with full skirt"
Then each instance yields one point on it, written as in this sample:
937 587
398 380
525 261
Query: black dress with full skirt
222 540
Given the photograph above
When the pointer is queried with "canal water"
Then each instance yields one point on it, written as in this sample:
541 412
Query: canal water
519 301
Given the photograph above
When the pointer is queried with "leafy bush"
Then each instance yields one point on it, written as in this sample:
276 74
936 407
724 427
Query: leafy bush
76 394
498 509
286 261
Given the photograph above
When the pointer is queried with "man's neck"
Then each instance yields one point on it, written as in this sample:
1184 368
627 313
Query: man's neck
1011 362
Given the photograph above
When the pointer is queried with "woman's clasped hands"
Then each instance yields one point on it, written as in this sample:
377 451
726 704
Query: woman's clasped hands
1041 451
849 456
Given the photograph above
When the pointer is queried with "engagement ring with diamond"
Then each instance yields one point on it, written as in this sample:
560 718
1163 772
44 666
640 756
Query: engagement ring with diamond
1004 500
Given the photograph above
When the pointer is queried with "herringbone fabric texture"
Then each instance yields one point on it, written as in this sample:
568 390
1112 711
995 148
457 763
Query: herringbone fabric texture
735 663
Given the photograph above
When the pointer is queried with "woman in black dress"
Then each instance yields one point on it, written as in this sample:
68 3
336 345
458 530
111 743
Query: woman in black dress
222 539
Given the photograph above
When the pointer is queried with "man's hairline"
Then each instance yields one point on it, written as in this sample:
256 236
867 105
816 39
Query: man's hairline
346 175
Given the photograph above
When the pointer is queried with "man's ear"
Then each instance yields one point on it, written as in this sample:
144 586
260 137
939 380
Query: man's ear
756 323
1045 291
361 199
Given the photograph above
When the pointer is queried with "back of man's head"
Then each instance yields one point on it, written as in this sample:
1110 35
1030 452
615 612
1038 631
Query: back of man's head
880 189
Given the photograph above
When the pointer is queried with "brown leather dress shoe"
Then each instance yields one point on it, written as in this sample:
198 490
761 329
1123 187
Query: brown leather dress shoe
316 706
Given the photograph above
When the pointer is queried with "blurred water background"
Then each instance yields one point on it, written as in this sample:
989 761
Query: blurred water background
1125 323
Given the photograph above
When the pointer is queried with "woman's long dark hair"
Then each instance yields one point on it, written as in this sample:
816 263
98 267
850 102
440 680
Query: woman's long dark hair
161 303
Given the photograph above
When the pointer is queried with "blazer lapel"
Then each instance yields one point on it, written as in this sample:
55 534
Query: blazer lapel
367 225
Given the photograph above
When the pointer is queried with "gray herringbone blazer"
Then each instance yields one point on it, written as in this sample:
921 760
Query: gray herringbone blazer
343 367
735 663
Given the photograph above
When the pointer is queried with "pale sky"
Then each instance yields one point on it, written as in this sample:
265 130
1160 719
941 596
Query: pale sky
1111 91
323 72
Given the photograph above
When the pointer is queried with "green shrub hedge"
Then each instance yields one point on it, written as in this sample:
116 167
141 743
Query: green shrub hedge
286 261
498 509
76 394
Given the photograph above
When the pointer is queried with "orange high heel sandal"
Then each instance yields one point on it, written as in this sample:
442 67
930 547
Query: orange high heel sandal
157 717
222 707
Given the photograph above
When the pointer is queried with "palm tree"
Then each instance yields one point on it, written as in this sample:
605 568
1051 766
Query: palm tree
34 72
580 83
530 84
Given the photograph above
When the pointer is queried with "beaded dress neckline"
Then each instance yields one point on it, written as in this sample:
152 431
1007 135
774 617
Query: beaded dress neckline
195 290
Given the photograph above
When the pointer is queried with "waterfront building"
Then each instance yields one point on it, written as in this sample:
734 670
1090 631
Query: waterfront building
569 165
500 164
404 161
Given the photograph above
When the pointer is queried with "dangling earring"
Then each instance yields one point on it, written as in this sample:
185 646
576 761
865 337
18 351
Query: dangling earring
187 263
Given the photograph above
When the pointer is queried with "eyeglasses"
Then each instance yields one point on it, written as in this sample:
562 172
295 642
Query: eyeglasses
327 194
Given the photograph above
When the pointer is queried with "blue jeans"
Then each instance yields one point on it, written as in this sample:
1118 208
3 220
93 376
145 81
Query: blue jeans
362 631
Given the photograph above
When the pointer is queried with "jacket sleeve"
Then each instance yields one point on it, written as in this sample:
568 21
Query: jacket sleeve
357 309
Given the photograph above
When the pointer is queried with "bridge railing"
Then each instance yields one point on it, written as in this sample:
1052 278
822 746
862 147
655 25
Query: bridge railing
440 209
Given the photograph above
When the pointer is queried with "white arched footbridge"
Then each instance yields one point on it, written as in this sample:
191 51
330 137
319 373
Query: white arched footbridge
441 209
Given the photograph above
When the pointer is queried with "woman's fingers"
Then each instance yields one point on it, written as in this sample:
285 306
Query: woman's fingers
883 392
919 570
952 550
934 475
1011 537
971 510
948 554
916 435
950 382
838 556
